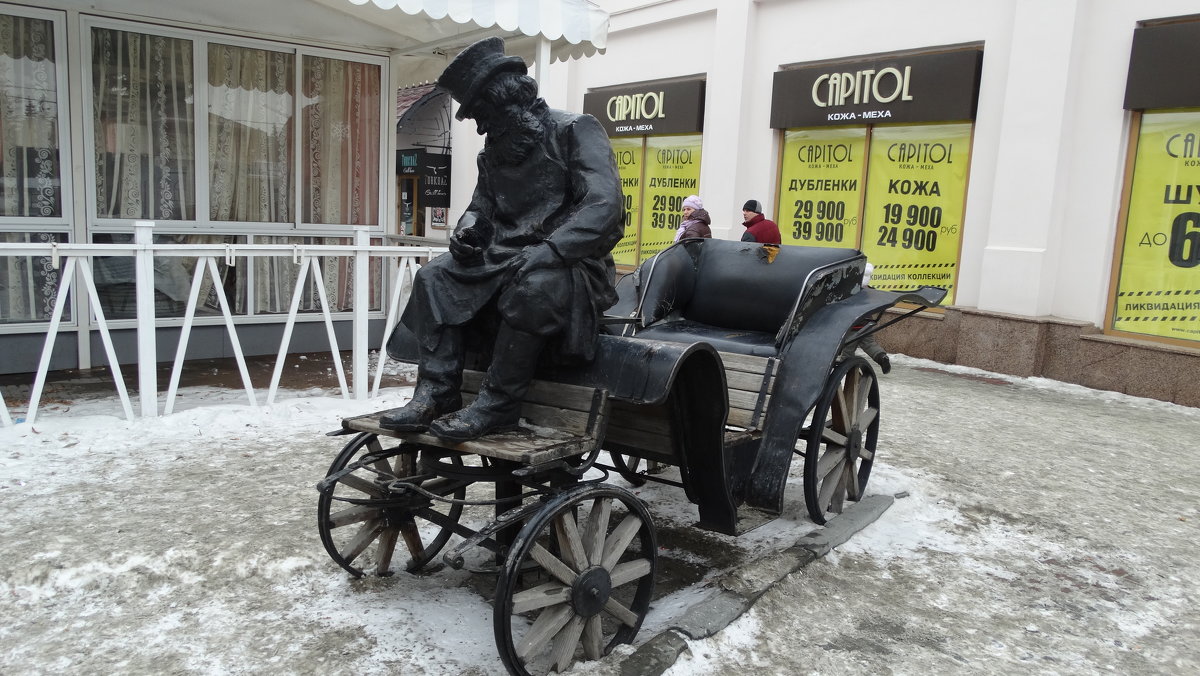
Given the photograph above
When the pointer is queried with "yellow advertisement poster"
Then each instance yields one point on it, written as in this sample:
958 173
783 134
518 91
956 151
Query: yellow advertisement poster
672 173
916 192
628 152
821 186
1158 288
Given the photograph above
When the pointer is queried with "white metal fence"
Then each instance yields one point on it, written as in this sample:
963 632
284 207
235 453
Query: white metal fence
75 262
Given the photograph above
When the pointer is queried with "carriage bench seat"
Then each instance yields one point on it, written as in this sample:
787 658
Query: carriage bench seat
558 421
735 296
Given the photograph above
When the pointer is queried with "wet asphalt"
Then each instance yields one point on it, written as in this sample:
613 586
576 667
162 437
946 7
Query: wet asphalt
1029 526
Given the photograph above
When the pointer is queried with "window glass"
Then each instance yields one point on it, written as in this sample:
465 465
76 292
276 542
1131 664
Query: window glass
173 275
1158 288
29 145
340 161
275 279
250 106
29 284
144 126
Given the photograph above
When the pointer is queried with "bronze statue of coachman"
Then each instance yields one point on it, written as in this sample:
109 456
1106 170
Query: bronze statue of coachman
529 260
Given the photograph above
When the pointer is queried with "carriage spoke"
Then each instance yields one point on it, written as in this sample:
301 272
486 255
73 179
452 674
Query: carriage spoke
597 527
839 491
831 482
360 484
387 546
355 514
629 571
381 465
362 539
553 564
868 416
540 596
853 490
620 538
830 461
625 615
564 644
837 409
593 638
833 437
544 628
412 538
567 530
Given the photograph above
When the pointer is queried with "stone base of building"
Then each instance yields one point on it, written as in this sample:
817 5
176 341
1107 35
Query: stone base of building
1049 347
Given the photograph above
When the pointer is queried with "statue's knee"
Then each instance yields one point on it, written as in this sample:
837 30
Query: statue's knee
538 303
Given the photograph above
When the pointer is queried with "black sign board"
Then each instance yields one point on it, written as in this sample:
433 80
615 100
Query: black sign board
435 180
927 87
409 161
1164 67
648 109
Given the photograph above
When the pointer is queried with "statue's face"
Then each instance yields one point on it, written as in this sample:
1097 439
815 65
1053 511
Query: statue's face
487 118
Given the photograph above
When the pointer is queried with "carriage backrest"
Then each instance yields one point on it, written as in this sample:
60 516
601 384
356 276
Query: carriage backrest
738 285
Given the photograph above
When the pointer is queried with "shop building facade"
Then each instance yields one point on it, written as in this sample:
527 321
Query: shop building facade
275 122
1017 152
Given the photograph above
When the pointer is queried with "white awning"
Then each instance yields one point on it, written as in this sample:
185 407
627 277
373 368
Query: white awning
575 28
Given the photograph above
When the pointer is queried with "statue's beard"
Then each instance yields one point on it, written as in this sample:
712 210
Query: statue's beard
515 138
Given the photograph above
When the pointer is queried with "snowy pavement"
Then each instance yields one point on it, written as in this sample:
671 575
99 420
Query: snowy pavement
1046 528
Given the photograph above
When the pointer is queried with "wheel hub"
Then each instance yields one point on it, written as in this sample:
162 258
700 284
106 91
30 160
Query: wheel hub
854 443
591 591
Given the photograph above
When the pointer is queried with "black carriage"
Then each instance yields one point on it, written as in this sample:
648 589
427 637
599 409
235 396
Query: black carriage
723 359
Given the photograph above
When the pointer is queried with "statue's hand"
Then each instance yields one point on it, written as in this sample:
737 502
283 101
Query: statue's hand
466 247
536 257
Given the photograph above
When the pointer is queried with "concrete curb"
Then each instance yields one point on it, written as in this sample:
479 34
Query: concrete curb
736 592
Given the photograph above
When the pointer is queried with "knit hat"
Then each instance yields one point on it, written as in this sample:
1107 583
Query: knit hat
753 205
470 72
693 201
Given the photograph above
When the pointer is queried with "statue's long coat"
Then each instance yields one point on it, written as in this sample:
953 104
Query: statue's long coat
567 192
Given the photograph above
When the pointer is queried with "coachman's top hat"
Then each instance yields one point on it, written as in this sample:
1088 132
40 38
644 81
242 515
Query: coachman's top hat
469 73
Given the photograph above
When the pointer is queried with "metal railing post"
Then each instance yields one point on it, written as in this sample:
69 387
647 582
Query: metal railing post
362 281
147 347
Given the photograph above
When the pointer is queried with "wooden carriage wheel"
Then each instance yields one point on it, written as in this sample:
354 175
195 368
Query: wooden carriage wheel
630 468
577 580
841 439
361 522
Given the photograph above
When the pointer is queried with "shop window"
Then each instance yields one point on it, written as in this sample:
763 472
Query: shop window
340 142
115 286
250 111
30 178
275 279
1158 285
897 192
657 174
144 122
29 284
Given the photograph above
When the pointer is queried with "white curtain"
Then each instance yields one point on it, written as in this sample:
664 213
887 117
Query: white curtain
144 126
250 110
341 142
30 184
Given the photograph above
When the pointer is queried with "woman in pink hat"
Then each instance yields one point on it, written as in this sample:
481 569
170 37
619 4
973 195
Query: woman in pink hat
695 220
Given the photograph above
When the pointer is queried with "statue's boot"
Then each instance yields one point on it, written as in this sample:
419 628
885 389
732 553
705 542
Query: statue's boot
439 379
498 406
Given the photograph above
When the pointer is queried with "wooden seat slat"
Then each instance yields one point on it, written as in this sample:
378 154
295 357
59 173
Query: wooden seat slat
745 362
746 381
525 446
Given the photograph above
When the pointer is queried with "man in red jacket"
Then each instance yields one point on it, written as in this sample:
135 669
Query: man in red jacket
758 227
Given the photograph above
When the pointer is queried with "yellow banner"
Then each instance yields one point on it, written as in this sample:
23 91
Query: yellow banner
916 191
628 152
1158 288
821 186
672 173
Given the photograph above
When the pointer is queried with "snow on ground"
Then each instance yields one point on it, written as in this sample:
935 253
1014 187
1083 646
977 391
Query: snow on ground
187 544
